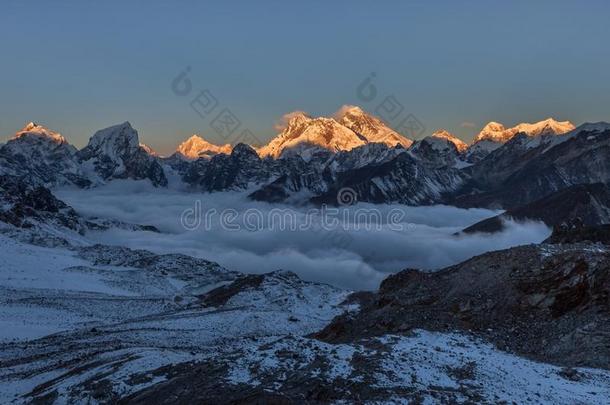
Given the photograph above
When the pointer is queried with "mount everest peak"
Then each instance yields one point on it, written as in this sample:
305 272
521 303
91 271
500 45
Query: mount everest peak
370 127
350 128
304 135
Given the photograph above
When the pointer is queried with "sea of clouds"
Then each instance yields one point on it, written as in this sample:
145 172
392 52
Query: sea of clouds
252 241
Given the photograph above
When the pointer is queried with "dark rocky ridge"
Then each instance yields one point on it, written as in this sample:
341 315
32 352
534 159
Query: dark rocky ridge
517 173
115 153
24 206
588 202
577 232
538 301
520 172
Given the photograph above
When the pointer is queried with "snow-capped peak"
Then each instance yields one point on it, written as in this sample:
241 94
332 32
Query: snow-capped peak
493 131
349 110
303 135
493 126
496 132
370 127
297 118
148 150
196 147
30 126
593 127
447 136
36 130
548 126
115 139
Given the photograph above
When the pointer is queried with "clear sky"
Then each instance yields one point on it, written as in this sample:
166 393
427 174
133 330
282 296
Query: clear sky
79 66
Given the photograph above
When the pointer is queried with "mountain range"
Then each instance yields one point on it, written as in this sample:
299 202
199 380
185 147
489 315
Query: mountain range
311 159
85 322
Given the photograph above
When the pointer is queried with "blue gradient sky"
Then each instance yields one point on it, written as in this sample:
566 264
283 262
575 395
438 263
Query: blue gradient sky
80 66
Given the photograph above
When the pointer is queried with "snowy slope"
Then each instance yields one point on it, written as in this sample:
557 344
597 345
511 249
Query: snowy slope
441 137
304 135
42 155
46 290
370 127
115 153
130 312
196 147
494 135
496 132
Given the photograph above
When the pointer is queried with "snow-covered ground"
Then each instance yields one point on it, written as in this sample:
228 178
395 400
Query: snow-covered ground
132 311
48 290
445 367
96 323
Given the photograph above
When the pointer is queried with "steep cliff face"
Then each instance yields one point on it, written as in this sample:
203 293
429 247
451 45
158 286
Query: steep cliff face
527 169
115 153
41 157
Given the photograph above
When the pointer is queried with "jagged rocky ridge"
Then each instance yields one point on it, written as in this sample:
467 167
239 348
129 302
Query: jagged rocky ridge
541 301
32 213
589 203
527 167
355 150
42 157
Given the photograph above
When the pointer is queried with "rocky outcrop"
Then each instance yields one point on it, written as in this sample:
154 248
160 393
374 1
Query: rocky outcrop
590 203
116 153
402 180
41 157
26 206
537 301
575 231
525 169
239 170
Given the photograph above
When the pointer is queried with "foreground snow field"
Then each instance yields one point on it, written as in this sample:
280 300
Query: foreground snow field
94 323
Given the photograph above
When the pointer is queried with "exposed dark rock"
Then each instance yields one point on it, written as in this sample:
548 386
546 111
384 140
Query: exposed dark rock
403 179
115 153
517 173
576 231
538 301
24 206
589 202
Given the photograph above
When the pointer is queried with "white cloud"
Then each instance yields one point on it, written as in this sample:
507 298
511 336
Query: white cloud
342 110
347 257
281 124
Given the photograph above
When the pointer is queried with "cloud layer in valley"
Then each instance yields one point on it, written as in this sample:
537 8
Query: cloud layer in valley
345 255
